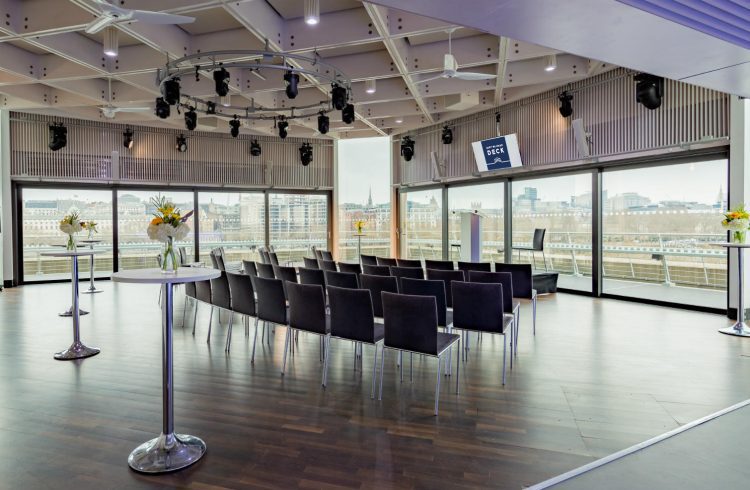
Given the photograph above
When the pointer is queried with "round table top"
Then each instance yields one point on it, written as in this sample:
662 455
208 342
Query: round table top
156 276
70 253
730 245
90 241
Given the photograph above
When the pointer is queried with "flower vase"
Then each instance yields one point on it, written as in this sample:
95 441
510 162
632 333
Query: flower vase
169 264
71 245
91 234
738 237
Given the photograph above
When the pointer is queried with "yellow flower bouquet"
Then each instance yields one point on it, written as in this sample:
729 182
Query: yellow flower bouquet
168 225
737 220
359 225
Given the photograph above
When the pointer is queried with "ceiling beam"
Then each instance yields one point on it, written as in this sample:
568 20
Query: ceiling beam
502 64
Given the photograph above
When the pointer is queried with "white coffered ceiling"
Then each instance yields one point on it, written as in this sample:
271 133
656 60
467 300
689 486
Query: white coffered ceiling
48 64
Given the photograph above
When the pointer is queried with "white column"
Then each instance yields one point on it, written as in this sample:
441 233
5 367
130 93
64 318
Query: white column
6 205
739 182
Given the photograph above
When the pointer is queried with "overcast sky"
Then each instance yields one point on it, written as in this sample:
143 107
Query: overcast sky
364 163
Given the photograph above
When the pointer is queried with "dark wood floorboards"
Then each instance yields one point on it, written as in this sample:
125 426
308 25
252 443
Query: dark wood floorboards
600 375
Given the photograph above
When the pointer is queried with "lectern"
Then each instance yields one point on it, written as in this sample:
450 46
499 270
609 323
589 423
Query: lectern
471 236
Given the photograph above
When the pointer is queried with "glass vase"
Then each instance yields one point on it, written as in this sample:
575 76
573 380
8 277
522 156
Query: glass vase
91 234
169 264
71 245
738 236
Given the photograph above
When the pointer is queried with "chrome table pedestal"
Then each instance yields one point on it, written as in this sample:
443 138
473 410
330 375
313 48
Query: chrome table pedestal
739 328
92 288
168 452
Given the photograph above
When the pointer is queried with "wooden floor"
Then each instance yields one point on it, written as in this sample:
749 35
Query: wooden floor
599 376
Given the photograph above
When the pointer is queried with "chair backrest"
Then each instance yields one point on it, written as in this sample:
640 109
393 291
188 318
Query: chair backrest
352 315
242 293
249 267
273 258
538 241
307 307
183 255
311 263
447 277
522 278
317 253
376 270
368 260
504 278
220 292
347 267
326 255
327 265
376 285
476 306
203 291
341 279
475 266
220 262
311 276
423 287
264 257
265 270
271 300
190 289
286 275
441 265
409 263
214 262
410 322
410 272
387 261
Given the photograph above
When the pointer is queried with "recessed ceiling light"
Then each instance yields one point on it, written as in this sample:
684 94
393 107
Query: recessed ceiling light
111 42
226 100
312 12
399 121
370 86
550 62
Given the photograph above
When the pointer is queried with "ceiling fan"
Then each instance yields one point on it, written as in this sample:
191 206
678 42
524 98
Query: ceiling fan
110 111
450 68
111 14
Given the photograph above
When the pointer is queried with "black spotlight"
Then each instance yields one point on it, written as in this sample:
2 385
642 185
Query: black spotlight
234 124
497 117
292 80
127 138
649 90
338 97
347 115
255 148
172 91
566 108
282 125
323 123
58 136
162 108
191 119
210 107
306 154
221 80
447 135
407 148
181 144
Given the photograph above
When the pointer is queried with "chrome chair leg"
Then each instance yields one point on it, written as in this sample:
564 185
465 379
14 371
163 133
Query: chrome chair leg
411 367
505 347
210 322
382 361
374 371
458 367
195 316
326 358
229 331
437 387
286 348
255 340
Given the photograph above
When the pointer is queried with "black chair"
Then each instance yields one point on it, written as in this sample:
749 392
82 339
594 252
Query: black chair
190 294
410 324
410 272
317 253
447 277
249 267
475 266
478 307
376 270
341 279
523 288
439 265
387 261
312 276
311 263
203 295
265 270
353 268
182 251
273 258
285 274
214 262
409 263
326 255
271 306
434 288
307 312
264 257
537 245
243 300
220 298
220 262
327 265
368 260
376 285
352 318
510 306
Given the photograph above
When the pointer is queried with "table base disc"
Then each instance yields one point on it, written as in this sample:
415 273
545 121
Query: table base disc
76 351
91 291
167 453
738 329
69 312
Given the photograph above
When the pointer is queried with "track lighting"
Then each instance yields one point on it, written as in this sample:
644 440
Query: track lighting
550 62
191 119
407 148
282 125
649 90
127 138
58 136
221 82
210 107
234 124
347 115
338 97
370 86
312 12
111 42
292 80
172 91
323 123
181 144
306 154
447 135
255 148
566 108
162 108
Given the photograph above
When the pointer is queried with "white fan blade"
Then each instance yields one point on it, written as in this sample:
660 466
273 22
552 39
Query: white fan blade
467 75
160 17
99 23
132 109
429 79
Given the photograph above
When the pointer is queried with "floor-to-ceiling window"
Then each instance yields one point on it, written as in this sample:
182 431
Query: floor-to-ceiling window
41 212
364 194
134 212
233 220
297 222
421 224
560 205
487 200
657 226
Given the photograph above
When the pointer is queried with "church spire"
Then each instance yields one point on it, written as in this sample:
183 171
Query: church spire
369 198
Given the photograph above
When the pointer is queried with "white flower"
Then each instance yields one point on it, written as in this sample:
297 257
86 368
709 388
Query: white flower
163 231
737 225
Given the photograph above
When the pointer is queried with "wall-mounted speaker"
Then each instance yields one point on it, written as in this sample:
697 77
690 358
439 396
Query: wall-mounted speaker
583 139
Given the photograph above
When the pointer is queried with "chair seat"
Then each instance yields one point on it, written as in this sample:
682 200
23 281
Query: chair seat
444 340
379 332
516 304
449 317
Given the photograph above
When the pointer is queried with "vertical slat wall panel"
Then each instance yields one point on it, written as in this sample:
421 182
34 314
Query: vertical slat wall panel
607 105
211 159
